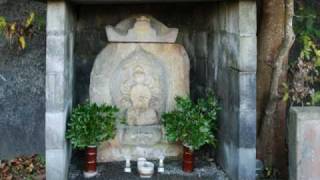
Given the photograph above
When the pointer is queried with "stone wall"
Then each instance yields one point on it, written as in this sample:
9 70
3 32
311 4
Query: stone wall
233 59
225 60
22 86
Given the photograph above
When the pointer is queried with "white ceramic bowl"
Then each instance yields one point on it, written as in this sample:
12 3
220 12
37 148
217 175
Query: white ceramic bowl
146 169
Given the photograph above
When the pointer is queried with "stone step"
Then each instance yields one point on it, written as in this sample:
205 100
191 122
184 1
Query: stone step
135 152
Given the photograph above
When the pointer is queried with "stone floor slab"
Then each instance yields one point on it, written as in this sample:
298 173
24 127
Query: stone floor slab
114 171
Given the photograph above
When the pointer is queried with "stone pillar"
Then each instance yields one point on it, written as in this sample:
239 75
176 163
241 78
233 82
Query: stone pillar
304 143
59 86
235 56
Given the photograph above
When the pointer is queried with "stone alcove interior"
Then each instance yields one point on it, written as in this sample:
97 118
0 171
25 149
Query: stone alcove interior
192 20
220 39
195 32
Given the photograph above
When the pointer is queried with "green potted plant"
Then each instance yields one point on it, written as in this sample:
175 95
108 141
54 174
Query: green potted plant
192 124
89 125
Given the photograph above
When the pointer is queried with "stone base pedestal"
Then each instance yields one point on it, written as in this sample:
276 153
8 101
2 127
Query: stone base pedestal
138 141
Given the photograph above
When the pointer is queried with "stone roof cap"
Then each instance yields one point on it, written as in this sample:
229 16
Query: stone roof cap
141 28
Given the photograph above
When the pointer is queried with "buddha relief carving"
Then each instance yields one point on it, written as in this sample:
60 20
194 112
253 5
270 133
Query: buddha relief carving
140 113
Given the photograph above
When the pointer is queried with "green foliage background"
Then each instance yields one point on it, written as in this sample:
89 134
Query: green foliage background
304 62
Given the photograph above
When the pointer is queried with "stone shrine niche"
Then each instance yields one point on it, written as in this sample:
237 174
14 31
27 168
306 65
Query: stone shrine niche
141 71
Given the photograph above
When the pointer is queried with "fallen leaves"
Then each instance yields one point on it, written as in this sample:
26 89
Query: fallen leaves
23 168
18 31
22 42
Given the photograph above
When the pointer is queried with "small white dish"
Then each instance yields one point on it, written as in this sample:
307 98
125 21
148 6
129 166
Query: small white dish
145 168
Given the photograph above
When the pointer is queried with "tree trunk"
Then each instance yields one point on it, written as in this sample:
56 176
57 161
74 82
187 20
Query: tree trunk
270 34
275 40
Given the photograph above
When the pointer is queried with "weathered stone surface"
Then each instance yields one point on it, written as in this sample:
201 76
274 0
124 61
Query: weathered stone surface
57 23
56 98
141 29
56 123
59 87
140 135
234 59
247 18
248 54
304 143
114 151
57 163
56 53
167 63
3 1
246 163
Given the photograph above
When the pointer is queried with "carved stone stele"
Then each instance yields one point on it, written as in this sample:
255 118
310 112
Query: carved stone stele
142 79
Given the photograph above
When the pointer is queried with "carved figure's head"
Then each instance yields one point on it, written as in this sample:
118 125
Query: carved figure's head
139 75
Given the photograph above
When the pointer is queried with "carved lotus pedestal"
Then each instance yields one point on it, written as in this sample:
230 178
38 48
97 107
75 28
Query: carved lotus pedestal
141 71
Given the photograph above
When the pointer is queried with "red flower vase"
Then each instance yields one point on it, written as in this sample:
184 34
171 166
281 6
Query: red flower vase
91 162
187 160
